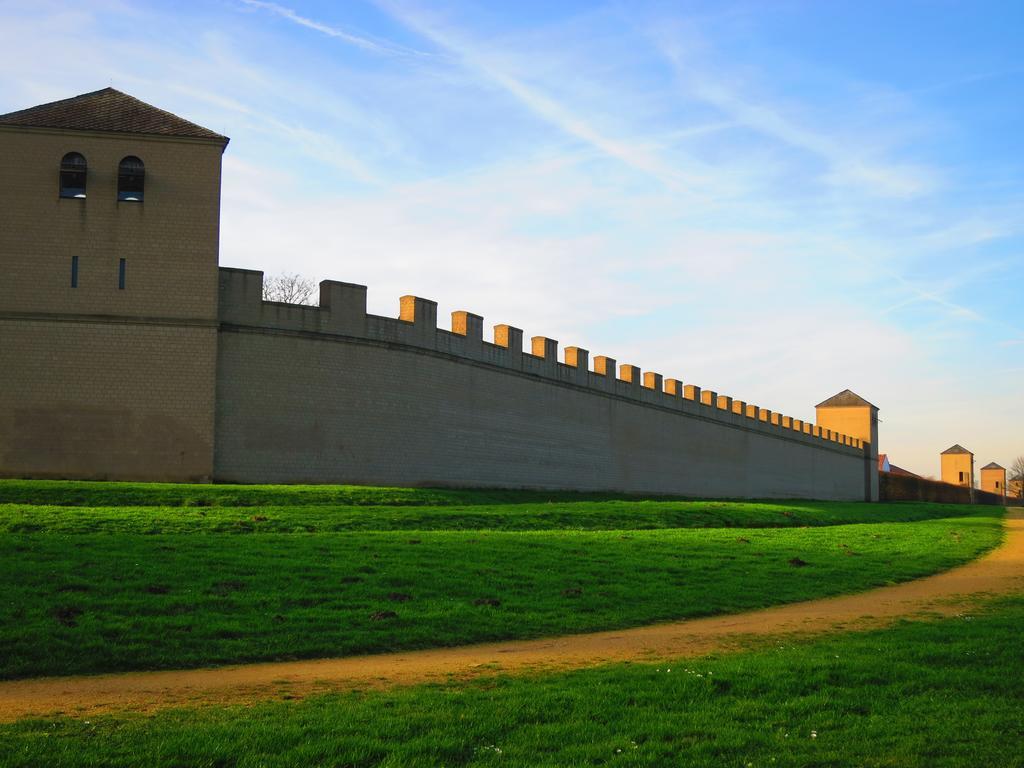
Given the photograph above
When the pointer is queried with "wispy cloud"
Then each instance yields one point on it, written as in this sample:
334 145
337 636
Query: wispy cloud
921 294
480 60
847 164
978 77
363 41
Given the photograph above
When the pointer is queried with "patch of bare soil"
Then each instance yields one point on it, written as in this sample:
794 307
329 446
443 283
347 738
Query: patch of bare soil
67 615
948 593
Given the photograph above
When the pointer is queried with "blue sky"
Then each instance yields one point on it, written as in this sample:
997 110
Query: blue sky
774 200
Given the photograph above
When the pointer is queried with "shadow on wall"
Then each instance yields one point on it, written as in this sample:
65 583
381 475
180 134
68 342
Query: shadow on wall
905 488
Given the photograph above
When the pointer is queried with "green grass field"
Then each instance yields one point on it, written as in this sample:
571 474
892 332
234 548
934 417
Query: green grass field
920 695
344 497
605 515
103 577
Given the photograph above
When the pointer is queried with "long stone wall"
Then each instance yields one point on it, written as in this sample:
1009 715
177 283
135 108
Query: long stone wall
332 394
906 488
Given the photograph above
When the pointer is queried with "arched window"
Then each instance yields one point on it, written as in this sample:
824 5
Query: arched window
72 175
131 179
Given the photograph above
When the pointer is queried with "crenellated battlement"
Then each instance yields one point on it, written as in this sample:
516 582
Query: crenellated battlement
342 312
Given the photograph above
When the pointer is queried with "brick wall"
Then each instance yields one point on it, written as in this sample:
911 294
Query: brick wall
331 394
905 488
105 400
170 240
96 381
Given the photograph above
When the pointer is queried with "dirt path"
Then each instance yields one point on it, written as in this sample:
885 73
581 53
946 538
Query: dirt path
999 572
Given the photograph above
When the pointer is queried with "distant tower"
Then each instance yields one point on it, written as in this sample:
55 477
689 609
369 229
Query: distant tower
993 479
850 414
958 466
109 231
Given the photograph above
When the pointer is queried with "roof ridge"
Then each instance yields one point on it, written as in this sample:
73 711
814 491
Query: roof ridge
108 110
56 102
845 399
957 448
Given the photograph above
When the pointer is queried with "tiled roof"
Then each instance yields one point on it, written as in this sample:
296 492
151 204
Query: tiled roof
894 470
957 449
992 465
844 399
107 110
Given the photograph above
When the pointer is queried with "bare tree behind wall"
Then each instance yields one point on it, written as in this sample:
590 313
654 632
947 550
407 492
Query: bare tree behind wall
291 288
1017 473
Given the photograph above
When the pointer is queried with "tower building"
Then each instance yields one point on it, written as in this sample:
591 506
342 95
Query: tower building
958 466
850 414
110 212
993 479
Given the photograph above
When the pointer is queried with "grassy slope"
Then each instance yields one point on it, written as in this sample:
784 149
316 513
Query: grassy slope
948 693
609 515
141 584
80 493
103 494
97 602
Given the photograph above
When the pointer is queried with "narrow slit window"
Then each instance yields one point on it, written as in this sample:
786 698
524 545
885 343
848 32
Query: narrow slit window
131 180
73 170
74 271
121 266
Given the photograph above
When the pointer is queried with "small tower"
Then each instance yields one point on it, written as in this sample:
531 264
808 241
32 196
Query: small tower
993 479
850 414
108 296
958 466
